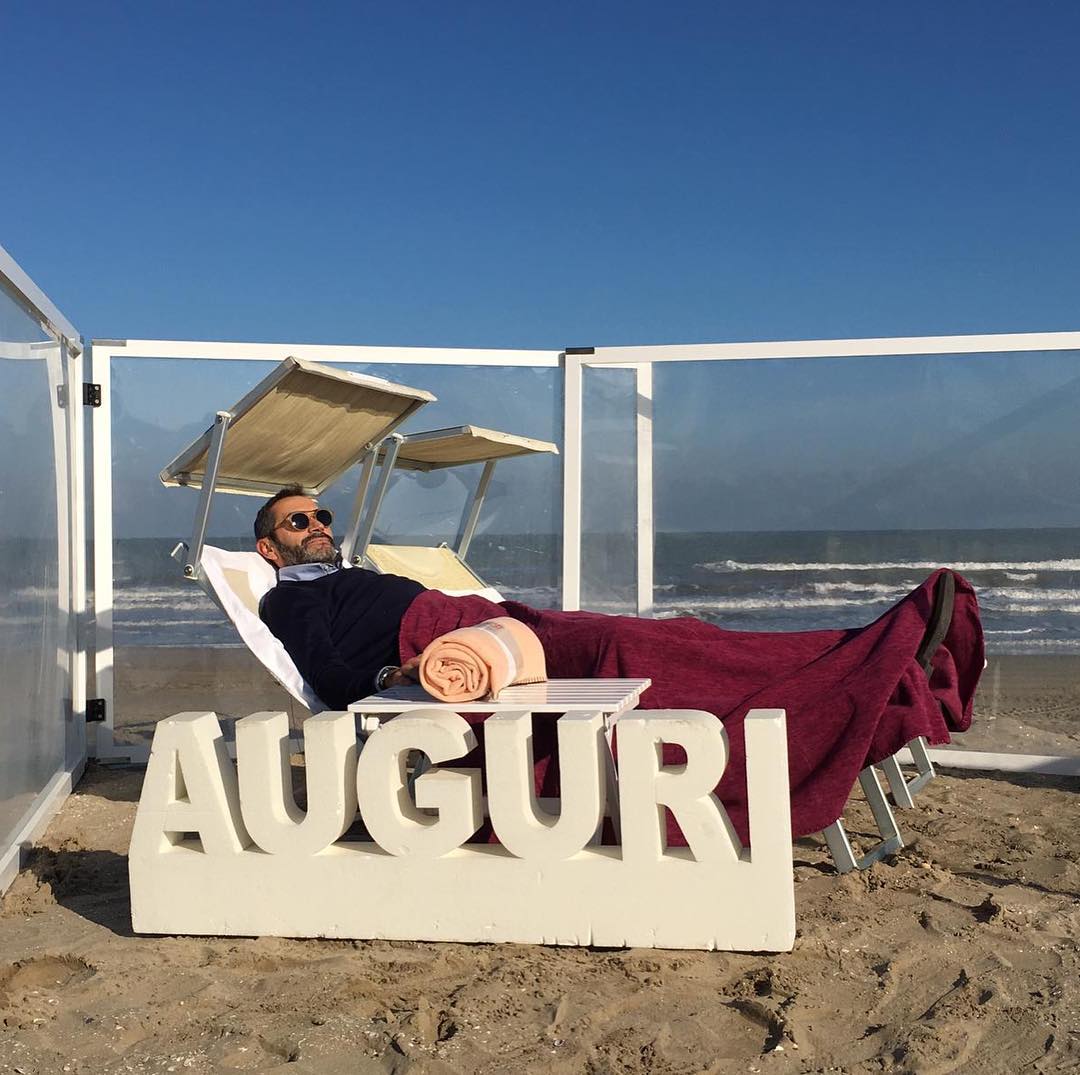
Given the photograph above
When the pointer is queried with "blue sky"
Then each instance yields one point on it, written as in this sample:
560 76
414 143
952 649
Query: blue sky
492 174
550 175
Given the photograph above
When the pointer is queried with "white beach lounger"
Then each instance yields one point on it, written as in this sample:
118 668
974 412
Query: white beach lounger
236 582
356 417
437 567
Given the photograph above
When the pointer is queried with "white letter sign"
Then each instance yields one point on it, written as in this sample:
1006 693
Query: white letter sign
218 849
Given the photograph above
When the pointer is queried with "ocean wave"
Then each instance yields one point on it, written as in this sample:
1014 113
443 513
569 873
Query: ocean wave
869 589
1021 576
1051 597
967 566
169 623
132 601
1017 606
762 603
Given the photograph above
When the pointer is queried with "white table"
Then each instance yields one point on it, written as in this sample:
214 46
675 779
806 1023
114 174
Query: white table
610 697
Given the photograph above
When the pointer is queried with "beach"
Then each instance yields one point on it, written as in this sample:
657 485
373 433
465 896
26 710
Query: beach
960 953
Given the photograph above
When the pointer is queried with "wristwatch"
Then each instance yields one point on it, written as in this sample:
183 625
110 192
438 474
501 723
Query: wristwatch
383 675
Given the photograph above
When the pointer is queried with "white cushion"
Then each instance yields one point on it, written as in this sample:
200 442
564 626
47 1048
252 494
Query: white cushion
238 580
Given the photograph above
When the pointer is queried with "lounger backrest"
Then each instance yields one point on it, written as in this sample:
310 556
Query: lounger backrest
437 568
237 581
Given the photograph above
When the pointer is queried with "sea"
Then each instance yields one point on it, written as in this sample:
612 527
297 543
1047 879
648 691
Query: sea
1027 581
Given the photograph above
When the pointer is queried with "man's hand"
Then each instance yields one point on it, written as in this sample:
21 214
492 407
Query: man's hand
408 673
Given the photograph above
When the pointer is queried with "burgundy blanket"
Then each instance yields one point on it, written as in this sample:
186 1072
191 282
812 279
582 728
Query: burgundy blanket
852 697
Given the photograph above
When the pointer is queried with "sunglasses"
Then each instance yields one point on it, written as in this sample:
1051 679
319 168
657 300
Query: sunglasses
301 520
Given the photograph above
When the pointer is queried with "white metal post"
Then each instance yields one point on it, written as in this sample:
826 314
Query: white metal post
206 494
643 436
77 532
473 517
61 369
348 546
572 416
100 738
392 445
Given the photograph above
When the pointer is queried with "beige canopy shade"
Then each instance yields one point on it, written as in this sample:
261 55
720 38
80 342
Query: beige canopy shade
461 445
305 423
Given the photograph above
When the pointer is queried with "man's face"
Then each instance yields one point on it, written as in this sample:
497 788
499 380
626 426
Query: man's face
287 546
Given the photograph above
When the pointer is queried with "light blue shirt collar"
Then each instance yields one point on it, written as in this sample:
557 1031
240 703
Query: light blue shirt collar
305 572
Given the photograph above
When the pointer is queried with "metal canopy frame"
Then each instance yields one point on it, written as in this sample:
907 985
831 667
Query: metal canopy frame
394 452
209 449
573 361
184 469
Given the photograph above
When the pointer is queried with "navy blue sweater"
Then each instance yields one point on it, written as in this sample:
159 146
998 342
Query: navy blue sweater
340 628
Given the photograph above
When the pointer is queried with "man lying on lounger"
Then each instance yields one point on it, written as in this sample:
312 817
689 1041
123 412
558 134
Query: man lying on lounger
852 696
340 627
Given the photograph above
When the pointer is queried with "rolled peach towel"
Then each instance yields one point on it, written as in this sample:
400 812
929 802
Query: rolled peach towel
478 661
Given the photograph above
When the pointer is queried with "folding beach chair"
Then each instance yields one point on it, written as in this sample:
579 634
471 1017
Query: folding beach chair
355 417
257 446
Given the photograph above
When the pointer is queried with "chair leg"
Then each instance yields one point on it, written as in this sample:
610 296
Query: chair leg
923 764
904 791
611 783
840 847
901 793
883 816
837 839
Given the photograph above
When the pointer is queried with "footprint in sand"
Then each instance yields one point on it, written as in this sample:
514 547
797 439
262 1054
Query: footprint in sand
25 985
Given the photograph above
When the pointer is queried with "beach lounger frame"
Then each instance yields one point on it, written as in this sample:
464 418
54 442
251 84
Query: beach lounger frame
313 392
903 790
237 580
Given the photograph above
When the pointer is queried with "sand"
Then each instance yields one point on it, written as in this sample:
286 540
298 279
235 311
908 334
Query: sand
961 953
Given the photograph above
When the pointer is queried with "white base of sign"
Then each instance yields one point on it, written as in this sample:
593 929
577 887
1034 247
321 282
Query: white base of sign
196 867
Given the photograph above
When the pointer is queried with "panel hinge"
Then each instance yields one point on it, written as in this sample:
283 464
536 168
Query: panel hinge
61 395
95 710
91 394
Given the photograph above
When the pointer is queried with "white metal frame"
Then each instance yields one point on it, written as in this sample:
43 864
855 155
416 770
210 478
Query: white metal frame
102 352
642 359
574 363
67 373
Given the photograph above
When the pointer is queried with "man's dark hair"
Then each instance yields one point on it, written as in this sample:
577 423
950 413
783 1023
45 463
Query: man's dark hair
264 521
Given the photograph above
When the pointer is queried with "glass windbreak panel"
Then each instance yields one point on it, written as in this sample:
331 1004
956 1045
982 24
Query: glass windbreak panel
35 704
796 494
174 650
609 490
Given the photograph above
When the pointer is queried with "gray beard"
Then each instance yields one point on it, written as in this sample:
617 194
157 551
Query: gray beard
320 553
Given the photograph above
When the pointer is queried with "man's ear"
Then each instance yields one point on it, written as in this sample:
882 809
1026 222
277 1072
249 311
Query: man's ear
265 548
